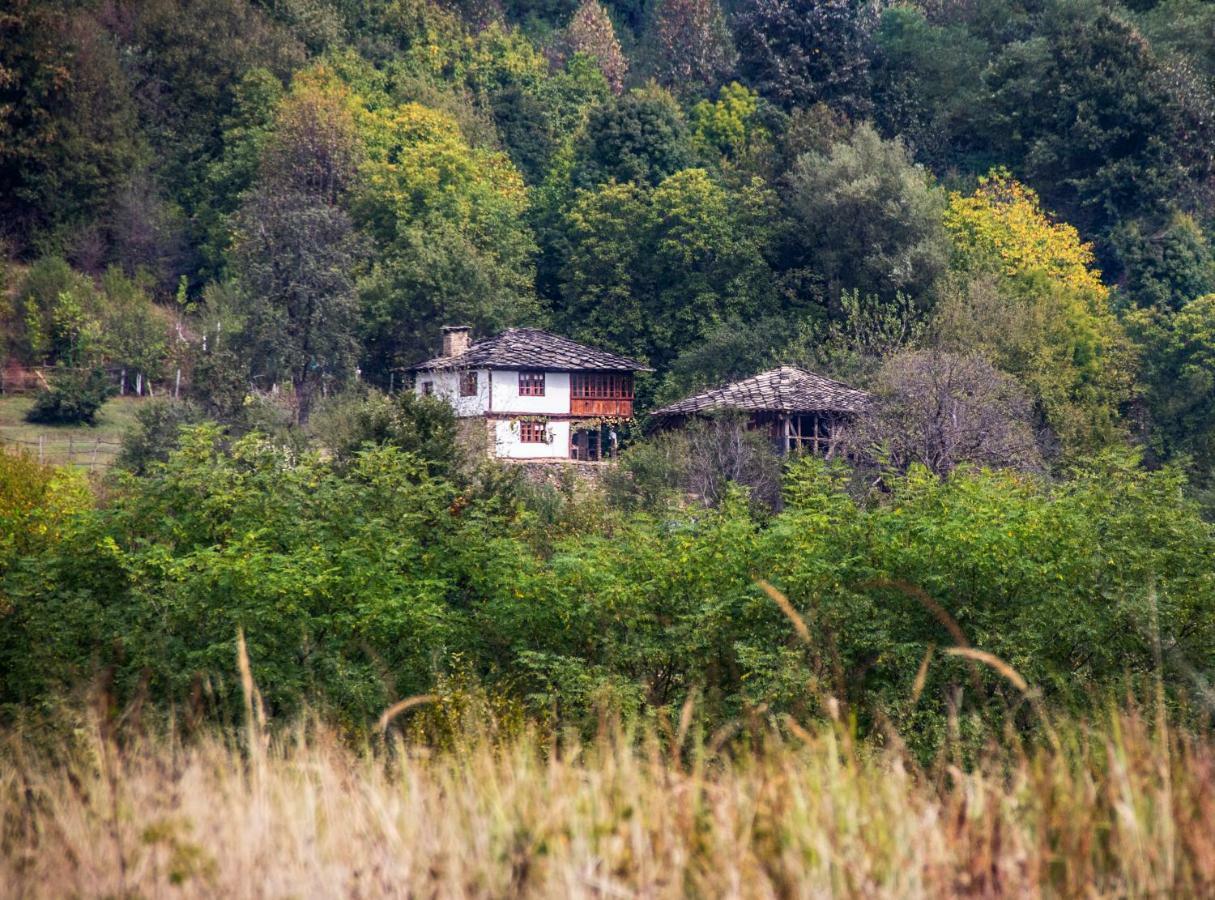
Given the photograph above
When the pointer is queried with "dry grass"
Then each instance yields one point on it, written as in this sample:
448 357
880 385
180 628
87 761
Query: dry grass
1121 811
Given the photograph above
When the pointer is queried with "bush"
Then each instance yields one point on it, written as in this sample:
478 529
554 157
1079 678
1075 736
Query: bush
156 433
73 398
35 500
705 459
424 426
360 582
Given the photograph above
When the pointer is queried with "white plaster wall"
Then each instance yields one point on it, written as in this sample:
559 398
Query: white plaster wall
447 386
556 397
508 446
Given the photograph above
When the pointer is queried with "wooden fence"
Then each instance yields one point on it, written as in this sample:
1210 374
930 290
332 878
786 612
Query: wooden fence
65 449
16 379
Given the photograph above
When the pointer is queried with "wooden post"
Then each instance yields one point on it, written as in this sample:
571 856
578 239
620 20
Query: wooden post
139 384
788 425
177 384
122 384
40 448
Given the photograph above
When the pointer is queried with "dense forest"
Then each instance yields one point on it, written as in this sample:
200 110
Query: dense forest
998 210
319 186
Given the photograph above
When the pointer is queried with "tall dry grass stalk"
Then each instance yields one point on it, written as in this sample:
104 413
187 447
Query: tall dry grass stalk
1114 811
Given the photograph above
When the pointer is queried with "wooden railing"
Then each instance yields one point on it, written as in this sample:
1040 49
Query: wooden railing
587 407
65 449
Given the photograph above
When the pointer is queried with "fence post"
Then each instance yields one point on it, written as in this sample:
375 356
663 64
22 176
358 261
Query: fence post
177 385
71 450
40 448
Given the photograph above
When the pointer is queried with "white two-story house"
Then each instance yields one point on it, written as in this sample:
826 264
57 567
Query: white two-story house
542 397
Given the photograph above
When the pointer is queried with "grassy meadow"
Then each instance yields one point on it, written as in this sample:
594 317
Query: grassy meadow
91 447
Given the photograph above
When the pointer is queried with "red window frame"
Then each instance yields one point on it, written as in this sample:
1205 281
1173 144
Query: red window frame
601 386
531 384
533 432
468 383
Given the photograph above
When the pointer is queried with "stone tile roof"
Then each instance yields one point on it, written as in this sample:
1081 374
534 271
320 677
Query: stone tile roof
787 389
531 348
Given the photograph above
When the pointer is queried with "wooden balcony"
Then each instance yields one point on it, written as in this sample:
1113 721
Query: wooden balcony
620 407
601 394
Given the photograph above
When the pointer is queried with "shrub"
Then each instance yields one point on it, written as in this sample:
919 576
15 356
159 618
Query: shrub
703 459
73 398
156 433
424 426
361 581
35 499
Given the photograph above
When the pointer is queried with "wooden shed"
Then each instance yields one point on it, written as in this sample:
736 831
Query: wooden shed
799 410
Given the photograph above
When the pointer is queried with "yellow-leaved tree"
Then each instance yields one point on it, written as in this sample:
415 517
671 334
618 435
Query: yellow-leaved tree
448 221
1025 292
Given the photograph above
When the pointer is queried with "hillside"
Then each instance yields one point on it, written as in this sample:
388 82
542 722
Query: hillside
287 194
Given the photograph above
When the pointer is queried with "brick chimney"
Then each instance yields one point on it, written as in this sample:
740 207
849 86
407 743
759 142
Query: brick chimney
455 339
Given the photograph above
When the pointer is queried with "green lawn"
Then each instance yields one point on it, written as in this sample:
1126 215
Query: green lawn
91 447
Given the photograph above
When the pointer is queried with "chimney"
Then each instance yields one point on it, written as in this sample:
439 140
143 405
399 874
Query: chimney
455 339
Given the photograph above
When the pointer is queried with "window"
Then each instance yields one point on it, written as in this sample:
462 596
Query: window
601 386
531 432
468 384
428 388
531 384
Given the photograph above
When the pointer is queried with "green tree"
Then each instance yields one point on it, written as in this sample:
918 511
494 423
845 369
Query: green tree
1179 378
423 426
731 350
651 272
296 251
187 62
73 397
536 121
245 130
928 87
156 433
452 242
640 137
1165 266
68 129
799 52
1082 111
55 309
868 218
1180 28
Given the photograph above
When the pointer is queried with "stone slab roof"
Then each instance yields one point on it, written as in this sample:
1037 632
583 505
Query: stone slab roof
531 348
787 389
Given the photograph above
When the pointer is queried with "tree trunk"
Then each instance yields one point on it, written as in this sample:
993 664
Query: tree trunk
303 399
